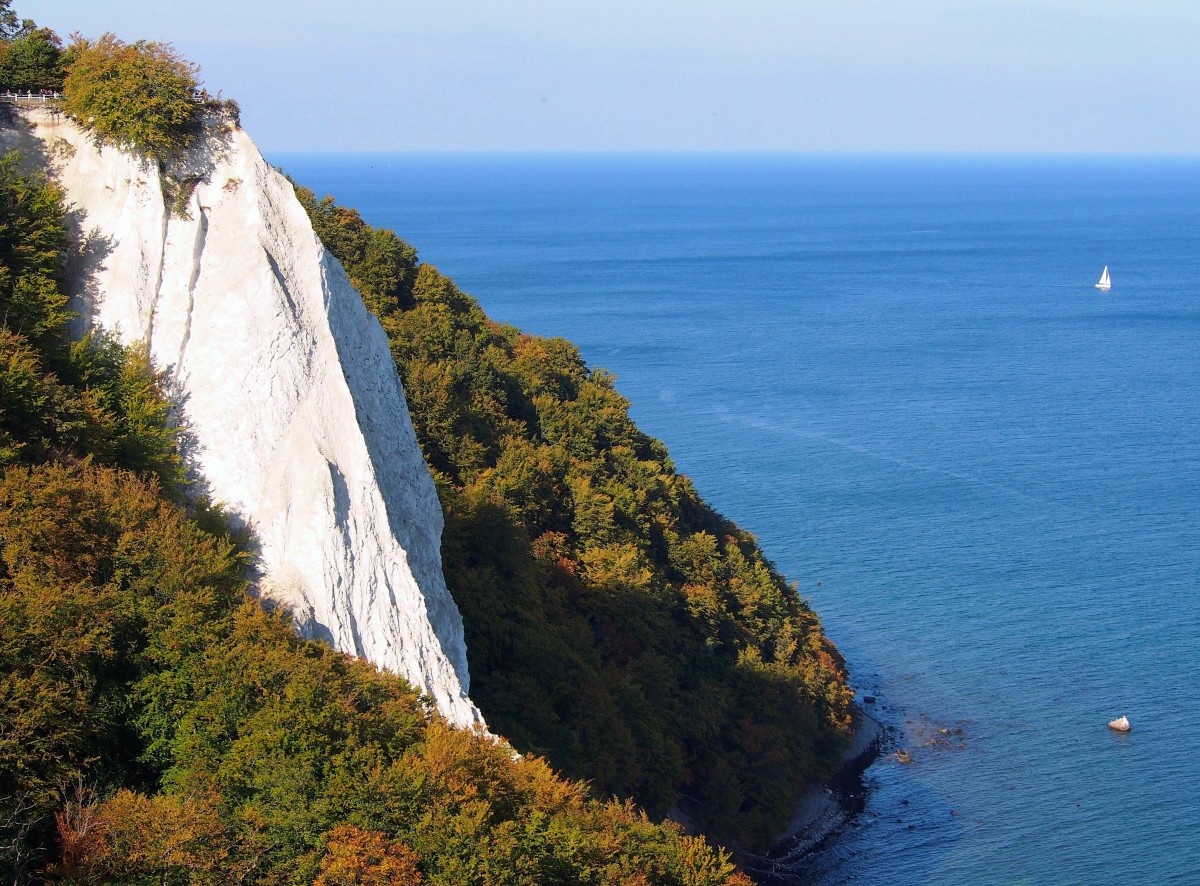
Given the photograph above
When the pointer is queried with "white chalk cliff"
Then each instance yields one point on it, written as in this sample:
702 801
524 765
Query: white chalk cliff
285 383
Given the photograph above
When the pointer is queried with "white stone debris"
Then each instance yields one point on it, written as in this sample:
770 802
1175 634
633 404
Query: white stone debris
286 387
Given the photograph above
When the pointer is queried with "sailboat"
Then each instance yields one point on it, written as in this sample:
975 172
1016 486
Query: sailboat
1105 283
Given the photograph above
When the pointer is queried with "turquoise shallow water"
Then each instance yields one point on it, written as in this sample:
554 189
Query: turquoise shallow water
984 473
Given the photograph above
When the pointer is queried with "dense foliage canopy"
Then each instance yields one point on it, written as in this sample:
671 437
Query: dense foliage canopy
614 622
60 398
31 58
32 62
157 725
183 734
140 96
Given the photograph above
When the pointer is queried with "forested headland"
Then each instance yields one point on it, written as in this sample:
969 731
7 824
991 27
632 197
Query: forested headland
157 723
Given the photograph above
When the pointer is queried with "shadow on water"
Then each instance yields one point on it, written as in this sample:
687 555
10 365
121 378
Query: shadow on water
876 804
884 806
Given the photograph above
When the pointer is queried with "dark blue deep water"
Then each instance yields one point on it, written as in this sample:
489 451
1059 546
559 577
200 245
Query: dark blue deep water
983 472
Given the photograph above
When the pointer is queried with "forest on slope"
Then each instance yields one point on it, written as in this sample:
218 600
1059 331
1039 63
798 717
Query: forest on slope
157 724
615 623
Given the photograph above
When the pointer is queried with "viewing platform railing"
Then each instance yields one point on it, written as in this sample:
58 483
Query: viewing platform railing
34 98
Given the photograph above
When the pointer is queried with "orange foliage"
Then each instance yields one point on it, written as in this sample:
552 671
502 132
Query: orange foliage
132 834
354 857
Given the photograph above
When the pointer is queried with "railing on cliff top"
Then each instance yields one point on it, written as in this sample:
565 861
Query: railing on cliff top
9 97
226 108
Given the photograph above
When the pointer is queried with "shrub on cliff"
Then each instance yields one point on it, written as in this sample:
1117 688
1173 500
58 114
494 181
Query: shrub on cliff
139 96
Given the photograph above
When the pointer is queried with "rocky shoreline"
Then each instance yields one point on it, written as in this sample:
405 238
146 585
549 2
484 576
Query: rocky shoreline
822 810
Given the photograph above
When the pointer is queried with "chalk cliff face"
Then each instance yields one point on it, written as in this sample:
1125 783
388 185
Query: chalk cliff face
293 409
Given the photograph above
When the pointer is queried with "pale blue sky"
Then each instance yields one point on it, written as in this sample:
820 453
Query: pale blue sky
1091 76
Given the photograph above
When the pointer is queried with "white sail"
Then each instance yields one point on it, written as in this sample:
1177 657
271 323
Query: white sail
1105 283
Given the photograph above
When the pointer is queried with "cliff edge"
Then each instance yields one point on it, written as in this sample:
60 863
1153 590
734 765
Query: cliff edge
294 415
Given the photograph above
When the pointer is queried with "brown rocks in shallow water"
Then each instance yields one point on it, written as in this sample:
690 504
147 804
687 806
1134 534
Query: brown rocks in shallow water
903 756
1121 724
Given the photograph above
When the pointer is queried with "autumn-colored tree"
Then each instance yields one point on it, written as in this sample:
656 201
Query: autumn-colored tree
354 857
91 562
133 839
139 96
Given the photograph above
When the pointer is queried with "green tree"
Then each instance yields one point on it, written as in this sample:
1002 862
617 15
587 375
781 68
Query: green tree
32 243
32 61
12 26
139 96
87 398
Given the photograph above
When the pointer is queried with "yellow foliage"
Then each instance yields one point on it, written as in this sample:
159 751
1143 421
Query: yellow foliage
140 96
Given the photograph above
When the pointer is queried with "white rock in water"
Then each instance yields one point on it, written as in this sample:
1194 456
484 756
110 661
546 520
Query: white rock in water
286 384
1121 724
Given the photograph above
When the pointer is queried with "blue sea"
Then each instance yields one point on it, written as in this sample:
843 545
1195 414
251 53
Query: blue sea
982 471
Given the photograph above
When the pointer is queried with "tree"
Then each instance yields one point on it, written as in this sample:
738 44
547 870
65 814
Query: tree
32 61
354 857
32 240
132 838
139 96
11 25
